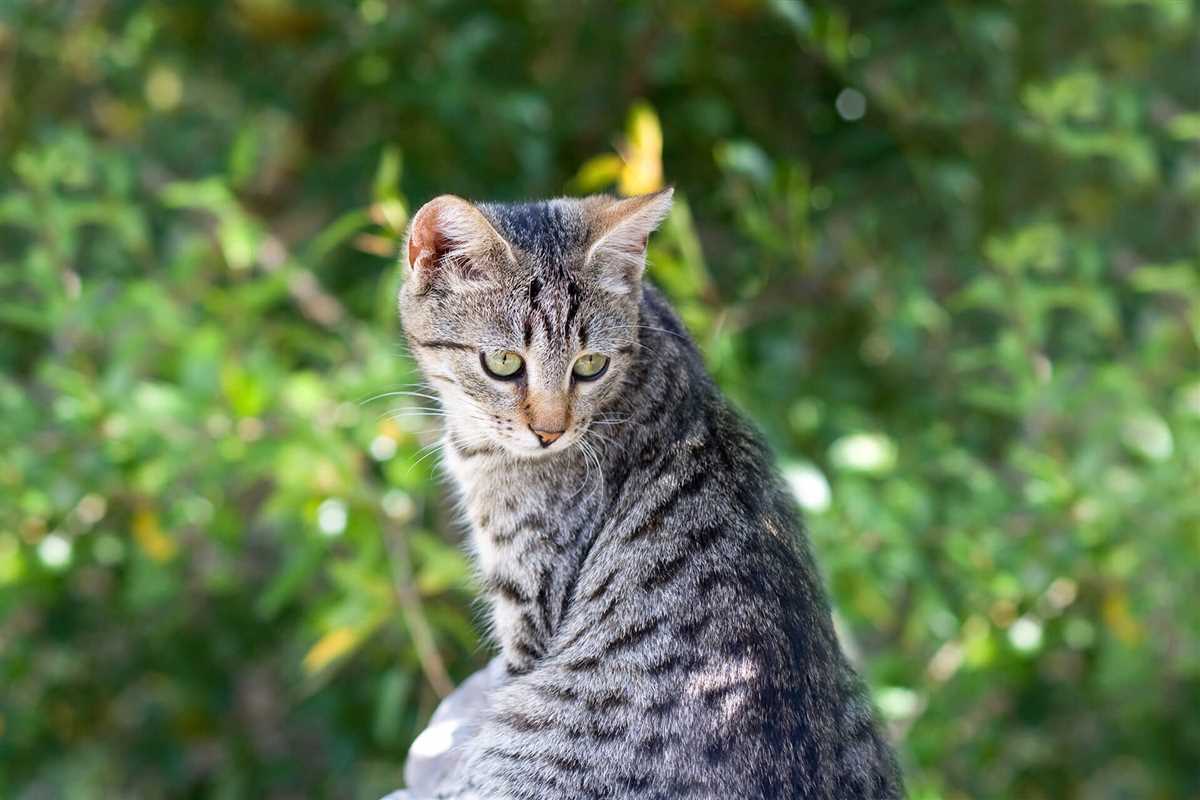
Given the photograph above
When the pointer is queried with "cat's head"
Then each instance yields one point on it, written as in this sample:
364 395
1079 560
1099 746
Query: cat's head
524 316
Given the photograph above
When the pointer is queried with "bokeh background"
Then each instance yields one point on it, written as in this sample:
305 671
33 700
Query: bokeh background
944 253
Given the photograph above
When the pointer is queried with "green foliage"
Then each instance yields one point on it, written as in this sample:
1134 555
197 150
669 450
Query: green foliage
945 254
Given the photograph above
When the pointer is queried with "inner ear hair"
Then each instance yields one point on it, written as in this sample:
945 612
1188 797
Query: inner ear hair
450 239
619 250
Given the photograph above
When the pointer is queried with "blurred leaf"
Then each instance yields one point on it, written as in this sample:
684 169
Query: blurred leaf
968 322
599 172
148 533
642 153
387 176
334 645
1185 127
1119 618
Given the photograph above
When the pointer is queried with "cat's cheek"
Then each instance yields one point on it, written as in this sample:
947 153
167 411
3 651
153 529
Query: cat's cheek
593 399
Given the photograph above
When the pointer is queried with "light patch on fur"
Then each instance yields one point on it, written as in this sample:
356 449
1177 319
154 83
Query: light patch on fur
506 618
436 739
720 677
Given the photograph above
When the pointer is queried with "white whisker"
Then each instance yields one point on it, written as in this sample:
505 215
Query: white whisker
382 395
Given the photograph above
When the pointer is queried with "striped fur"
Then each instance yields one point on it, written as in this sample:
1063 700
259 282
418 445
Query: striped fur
664 627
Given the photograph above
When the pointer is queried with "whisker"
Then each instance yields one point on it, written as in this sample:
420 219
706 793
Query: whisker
605 438
398 415
428 450
637 325
661 330
591 454
611 421
382 395
587 467
404 409
631 343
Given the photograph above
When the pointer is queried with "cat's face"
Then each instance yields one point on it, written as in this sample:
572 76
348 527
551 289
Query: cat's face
524 317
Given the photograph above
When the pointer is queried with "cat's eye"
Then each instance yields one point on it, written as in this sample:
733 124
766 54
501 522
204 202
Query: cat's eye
504 365
590 366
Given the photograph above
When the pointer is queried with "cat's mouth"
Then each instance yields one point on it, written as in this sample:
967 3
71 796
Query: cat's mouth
533 443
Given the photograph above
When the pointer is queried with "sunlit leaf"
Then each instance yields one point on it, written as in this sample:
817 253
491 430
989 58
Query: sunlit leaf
642 153
334 645
149 535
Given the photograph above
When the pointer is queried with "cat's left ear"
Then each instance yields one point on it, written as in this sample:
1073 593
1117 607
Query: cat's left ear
619 250
451 242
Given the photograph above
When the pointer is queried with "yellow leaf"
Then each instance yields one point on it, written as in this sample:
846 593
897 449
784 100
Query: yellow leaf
330 647
389 428
642 154
598 172
1120 619
390 214
636 168
149 535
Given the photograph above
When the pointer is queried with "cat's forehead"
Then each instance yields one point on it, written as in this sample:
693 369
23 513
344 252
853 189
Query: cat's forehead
550 233
549 301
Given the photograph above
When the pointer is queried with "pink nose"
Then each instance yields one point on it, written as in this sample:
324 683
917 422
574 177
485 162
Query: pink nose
547 438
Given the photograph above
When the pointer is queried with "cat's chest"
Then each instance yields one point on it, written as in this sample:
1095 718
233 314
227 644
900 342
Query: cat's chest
516 510
529 525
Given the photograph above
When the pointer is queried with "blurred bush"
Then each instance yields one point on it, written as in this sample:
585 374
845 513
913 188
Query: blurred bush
945 254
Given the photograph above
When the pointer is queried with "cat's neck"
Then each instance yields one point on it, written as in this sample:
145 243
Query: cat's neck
479 467
502 493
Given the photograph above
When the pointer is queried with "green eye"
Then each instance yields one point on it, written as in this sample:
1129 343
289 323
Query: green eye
502 364
590 366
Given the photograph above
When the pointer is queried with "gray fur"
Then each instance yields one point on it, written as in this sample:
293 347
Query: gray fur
663 625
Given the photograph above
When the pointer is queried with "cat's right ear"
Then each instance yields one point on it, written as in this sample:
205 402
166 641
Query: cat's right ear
451 242
619 251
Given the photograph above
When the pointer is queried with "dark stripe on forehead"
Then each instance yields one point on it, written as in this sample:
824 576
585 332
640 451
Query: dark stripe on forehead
573 295
555 298
550 237
535 289
540 228
547 325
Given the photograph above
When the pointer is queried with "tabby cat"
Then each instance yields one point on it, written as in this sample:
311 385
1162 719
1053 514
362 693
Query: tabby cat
663 629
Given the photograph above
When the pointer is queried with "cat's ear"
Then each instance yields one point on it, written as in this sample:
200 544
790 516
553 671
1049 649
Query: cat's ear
450 240
624 226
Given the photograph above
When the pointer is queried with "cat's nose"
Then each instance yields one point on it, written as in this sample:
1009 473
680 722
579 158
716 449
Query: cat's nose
547 438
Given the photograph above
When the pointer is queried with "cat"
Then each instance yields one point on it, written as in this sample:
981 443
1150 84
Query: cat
663 628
